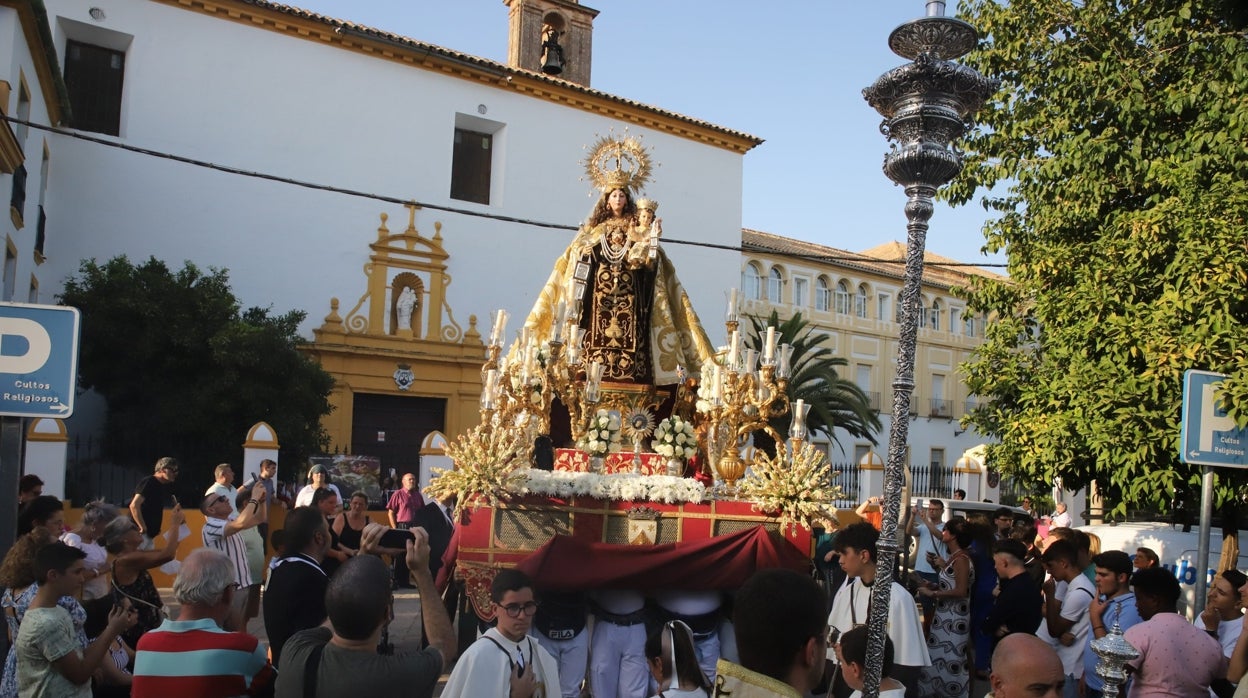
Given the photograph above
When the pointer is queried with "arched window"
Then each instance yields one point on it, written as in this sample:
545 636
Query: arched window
842 298
774 281
752 283
922 311
823 294
860 301
934 320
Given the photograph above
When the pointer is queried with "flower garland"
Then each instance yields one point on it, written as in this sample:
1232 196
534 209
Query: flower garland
624 487
797 488
602 435
487 463
675 438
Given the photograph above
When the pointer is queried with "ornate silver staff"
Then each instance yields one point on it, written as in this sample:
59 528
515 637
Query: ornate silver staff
926 104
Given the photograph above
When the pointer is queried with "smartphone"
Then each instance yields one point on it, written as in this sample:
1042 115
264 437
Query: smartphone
395 538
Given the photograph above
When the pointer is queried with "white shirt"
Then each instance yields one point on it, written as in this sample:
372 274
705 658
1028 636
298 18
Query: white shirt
1075 596
233 546
1061 520
304 498
928 543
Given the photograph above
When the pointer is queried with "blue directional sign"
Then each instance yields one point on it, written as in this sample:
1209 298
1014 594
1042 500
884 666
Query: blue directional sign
38 360
1209 437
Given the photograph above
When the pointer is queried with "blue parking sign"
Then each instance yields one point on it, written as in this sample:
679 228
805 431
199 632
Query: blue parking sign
1208 435
38 360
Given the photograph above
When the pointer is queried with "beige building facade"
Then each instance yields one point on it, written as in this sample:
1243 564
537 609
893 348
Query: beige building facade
852 300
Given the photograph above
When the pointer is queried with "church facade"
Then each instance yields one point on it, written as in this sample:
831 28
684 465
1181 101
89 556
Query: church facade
286 146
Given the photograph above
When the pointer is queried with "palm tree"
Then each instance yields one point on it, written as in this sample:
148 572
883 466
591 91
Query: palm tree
834 401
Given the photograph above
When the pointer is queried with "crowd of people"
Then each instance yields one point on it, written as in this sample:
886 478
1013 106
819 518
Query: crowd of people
988 607
85 617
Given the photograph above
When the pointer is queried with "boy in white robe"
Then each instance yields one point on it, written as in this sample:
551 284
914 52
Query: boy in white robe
506 656
857 545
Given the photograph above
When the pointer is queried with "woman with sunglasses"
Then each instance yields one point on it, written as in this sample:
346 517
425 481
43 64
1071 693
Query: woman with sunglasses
130 565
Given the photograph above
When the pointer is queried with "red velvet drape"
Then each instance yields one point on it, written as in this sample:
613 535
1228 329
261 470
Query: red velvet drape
566 563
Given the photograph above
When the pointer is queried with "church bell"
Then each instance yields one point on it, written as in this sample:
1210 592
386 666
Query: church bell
552 54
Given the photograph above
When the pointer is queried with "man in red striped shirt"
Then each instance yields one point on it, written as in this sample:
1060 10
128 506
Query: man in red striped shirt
226 663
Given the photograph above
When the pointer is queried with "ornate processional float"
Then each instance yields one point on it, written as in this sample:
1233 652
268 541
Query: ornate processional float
650 421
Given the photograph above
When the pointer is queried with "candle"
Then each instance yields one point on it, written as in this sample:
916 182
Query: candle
769 350
498 333
799 414
732 304
717 384
733 343
491 387
751 360
556 325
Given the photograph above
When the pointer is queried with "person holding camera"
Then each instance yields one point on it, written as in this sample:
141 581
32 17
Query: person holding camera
926 525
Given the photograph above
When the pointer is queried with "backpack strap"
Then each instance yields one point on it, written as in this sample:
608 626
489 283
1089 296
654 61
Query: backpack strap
511 665
310 669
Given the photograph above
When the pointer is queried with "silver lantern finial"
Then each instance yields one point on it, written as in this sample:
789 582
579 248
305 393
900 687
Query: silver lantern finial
1114 652
926 104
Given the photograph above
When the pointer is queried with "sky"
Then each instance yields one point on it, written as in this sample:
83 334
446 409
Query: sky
788 71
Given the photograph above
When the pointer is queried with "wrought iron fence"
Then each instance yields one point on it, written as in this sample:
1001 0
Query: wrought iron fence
848 477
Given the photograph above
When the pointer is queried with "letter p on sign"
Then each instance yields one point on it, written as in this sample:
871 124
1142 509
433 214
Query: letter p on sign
38 345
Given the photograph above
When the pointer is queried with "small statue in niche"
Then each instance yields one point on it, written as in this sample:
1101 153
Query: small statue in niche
404 306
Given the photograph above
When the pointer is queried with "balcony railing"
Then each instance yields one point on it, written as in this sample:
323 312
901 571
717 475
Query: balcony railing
40 233
941 408
873 401
18 198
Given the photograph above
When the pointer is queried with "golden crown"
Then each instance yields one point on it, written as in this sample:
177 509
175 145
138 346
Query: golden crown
648 204
618 163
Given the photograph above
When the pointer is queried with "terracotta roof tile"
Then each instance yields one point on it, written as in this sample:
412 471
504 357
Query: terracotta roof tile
887 259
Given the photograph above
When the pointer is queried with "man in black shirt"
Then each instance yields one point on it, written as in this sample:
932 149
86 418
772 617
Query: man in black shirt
148 505
294 599
1018 608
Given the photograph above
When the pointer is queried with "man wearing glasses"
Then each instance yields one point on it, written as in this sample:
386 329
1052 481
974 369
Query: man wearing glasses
225 664
148 505
220 532
505 661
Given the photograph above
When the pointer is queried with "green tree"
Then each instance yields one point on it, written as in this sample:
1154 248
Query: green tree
185 373
834 401
1118 144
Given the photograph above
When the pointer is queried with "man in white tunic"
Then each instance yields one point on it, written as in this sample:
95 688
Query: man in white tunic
506 661
856 544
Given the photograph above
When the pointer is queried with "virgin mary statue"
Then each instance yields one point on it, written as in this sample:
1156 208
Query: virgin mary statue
637 319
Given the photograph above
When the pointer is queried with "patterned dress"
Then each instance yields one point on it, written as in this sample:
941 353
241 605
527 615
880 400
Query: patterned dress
146 600
19 604
949 675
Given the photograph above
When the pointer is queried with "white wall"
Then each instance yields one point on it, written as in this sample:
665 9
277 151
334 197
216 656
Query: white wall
14 62
217 90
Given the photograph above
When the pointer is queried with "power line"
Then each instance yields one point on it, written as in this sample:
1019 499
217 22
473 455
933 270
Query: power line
436 207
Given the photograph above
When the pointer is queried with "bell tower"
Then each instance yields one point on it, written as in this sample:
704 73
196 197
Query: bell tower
551 36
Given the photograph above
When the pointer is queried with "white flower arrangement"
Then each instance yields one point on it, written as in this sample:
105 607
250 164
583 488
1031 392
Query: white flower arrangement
675 438
706 386
797 488
486 460
624 487
602 435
